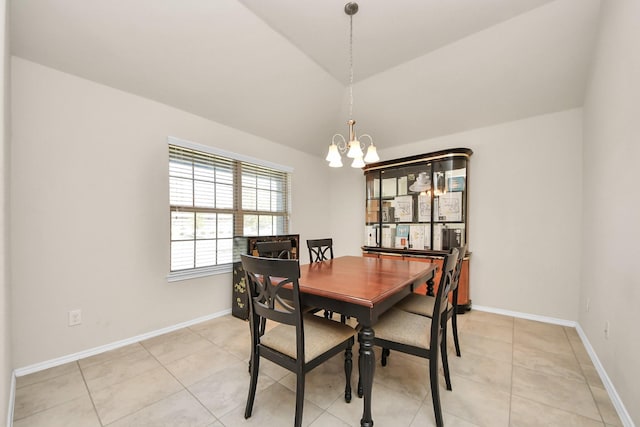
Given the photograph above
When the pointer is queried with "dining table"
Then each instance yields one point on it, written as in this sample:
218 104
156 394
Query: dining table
362 288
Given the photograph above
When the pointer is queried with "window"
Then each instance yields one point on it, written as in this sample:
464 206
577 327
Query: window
214 197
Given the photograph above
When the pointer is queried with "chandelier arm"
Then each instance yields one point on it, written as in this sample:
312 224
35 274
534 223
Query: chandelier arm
341 144
365 135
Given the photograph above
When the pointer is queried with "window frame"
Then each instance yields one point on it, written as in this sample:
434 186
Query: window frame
237 210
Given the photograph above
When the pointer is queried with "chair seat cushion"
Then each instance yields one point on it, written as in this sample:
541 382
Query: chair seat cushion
320 335
404 327
418 304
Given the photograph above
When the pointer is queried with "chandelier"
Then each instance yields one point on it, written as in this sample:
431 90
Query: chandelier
339 145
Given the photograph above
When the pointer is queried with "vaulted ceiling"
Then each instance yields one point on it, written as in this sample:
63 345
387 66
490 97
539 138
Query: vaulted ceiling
280 68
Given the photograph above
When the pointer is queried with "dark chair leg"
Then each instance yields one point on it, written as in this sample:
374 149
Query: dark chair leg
348 366
435 391
360 387
445 358
385 354
454 325
299 399
254 364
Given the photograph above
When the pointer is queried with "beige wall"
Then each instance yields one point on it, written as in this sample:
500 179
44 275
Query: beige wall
524 205
6 364
611 231
90 212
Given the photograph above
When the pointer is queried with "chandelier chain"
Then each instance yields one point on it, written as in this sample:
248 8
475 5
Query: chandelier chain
350 66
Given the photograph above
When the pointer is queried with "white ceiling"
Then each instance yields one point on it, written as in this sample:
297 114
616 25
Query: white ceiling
279 68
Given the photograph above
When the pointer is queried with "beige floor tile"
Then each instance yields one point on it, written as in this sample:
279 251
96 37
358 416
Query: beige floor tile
78 412
426 418
539 328
223 329
118 369
572 334
476 402
491 330
273 406
483 346
605 406
325 383
111 354
407 375
46 394
47 374
561 393
389 408
562 365
201 364
482 369
178 410
534 341
475 316
175 345
580 352
328 420
227 390
527 413
127 397
591 374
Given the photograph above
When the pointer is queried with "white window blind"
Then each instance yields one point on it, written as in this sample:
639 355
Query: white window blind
213 198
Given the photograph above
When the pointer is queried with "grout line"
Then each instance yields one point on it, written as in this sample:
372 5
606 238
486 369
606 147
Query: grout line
86 386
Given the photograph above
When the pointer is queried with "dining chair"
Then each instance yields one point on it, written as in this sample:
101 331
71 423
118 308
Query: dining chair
277 249
322 250
423 304
300 341
418 335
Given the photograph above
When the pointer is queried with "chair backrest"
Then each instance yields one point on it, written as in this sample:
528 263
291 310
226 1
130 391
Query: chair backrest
265 280
440 306
320 249
281 249
462 251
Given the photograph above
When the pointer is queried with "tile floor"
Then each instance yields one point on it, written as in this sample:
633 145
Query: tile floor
512 372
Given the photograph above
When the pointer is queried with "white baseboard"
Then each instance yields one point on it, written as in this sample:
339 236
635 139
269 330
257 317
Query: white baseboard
624 415
545 319
12 399
103 348
611 390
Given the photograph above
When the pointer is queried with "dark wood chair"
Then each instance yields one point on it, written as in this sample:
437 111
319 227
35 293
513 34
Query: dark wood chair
423 304
300 342
418 335
281 249
320 249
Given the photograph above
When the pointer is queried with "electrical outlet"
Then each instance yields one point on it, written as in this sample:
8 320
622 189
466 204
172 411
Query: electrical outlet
75 317
588 304
606 330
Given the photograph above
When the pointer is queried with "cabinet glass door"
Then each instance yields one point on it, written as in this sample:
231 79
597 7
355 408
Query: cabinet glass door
449 203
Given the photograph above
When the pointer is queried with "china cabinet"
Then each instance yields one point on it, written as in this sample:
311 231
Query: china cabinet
416 208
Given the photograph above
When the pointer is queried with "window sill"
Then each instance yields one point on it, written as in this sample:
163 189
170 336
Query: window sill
176 276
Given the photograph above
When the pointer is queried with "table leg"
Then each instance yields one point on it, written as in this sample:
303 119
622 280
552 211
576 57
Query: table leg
430 287
367 364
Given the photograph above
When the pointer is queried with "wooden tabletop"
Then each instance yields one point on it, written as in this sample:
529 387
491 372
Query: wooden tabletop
358 280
